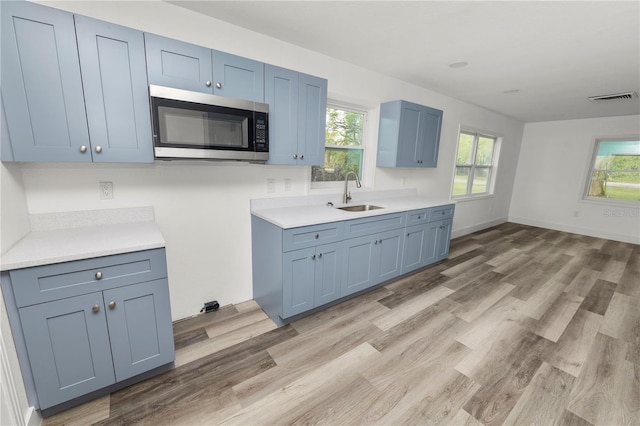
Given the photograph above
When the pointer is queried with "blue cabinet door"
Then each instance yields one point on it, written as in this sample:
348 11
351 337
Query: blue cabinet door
431 243
298 276
312 119
238 77
114 77
41 84
68 346
174 63
139 319
328 273
430 146
411 117
358 267
281 93
443 239
413 253
389 255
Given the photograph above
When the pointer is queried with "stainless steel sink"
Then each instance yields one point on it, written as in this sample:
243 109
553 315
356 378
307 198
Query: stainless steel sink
359 208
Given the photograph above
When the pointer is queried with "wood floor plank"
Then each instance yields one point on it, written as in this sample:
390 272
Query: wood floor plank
237 322
583 282
607 391
544 400
613 271
553 323
504 257
622 319
460 268
598 298
87 413
544 297
464 278
413 288
411 308
572 348
490 293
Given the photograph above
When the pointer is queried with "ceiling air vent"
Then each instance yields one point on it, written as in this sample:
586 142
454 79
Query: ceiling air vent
613 98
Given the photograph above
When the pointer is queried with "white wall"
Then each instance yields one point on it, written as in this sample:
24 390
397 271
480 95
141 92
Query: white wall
552 172
202 209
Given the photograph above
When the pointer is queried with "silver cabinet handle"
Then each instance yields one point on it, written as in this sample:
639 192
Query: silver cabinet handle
443 212
98 275
83 149
419 217
380 241
96 308
301 156
408 235
375 241
208 83
320 256
313 257
219 85
112 304
295 156
98 149
317 236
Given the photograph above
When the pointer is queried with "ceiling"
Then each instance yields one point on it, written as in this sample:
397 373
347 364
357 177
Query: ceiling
534 61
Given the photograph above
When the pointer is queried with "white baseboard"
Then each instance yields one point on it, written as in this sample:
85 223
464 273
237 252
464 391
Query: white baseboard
32 417
477 227
597 233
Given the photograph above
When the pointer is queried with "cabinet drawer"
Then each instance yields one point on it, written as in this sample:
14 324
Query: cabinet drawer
417 217
439 213
308 236
371 225
51 282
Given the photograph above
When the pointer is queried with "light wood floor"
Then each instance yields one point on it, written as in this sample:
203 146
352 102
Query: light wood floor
521 325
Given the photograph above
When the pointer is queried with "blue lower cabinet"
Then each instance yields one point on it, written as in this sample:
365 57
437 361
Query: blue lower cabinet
431 242
85 325
311 278
415 248
68 345
371 259
443 238
140 329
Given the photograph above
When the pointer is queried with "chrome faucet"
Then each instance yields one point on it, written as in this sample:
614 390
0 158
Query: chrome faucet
347 194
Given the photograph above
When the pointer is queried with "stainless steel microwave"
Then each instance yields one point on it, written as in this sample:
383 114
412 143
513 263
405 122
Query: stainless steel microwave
192 125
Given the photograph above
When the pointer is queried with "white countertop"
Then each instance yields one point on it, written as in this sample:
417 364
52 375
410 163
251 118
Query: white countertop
293 212
112 232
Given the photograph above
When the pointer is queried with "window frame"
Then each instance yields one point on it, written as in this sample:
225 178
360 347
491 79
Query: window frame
591 167
360 109
492 168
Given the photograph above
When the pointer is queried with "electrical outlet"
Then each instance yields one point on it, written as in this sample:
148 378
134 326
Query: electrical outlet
271 185
106 190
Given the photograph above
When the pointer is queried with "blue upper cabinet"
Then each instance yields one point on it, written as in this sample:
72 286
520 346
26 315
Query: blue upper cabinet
238 77
174 63
41 84
115 86
297 117
409 135
186 66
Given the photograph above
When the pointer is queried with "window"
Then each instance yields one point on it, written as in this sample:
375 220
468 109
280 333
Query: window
615 171
474 164
343 146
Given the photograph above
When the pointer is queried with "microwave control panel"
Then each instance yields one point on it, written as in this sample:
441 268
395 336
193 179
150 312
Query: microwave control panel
261 134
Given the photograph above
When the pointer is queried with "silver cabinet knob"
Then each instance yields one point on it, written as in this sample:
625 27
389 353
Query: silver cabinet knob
408 234
219 85
375 241
112 304
208 83
98 149
83 149
98 275
320 256
313 257
317 236
295 156
442 212
301 156
96 308
380 241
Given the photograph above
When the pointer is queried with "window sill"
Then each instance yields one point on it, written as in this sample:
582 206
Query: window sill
464 199
611 202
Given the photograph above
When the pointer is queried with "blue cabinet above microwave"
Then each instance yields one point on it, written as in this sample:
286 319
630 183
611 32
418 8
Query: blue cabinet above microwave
186 66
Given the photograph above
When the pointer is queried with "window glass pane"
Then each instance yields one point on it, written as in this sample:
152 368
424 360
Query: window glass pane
337 163
344 128
485 151
460 180
465 149
480 181
616 171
